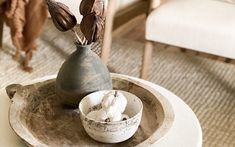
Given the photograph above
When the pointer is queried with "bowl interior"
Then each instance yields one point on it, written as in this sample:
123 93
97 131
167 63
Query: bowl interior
134 104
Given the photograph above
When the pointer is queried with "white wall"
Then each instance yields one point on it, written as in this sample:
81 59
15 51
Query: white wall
74 7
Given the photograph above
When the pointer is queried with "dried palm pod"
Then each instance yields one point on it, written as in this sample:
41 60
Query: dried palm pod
92 27
93 6
62 18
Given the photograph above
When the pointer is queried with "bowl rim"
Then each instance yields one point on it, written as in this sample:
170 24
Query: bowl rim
138 114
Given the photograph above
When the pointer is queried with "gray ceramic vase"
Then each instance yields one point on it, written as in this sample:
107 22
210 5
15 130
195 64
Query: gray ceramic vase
81 74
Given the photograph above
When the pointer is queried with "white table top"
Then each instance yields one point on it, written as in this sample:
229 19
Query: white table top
185 131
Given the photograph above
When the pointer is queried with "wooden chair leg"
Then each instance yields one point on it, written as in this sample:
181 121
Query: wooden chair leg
107 40
147 59
1 32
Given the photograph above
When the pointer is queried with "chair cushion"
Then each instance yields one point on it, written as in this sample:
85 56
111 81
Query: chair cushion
202 25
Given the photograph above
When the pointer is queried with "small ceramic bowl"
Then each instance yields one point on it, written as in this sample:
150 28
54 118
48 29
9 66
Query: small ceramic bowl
111 132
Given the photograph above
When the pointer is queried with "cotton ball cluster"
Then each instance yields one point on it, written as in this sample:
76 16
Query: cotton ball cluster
113 105
115 99
99 115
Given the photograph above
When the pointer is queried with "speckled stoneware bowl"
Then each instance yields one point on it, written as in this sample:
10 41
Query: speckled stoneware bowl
111 132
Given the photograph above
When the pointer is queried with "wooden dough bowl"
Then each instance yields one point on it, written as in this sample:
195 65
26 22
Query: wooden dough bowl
39 120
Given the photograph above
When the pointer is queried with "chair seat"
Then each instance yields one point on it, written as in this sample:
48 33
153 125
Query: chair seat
202 25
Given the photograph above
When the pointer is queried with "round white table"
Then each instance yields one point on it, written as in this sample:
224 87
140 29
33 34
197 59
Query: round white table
185 131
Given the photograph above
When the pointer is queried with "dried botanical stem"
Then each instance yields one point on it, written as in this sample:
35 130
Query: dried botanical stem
1 31
116 92
77 36
84 40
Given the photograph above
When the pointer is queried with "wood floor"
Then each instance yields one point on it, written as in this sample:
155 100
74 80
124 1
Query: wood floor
135 30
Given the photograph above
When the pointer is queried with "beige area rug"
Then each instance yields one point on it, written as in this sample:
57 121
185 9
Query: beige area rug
207 86
53 48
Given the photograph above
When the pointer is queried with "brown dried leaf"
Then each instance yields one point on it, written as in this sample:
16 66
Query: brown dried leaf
92 27
92 6
62 18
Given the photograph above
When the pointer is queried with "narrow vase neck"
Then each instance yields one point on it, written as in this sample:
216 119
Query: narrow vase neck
82 47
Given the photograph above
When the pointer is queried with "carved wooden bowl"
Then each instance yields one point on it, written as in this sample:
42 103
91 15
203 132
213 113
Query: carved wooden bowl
37 118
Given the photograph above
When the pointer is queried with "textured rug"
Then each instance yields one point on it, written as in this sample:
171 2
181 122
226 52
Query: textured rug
207 86
53 48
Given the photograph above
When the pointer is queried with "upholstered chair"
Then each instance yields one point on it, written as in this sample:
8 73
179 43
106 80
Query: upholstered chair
202 25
